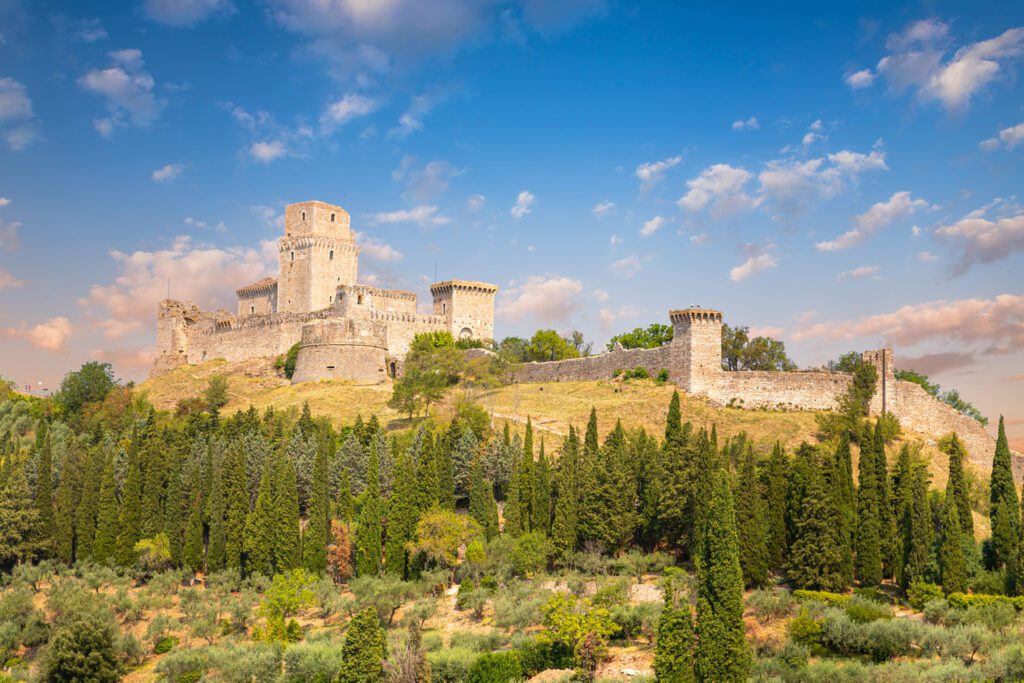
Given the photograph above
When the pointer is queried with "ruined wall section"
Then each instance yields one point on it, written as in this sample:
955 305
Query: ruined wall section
780 390
597 367
919 411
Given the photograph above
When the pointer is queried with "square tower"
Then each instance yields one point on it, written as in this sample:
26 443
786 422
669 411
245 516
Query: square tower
317 253
696 348
467 307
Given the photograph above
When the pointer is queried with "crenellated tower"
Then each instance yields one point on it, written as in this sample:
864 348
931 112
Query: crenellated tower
696 348
317 254
466 306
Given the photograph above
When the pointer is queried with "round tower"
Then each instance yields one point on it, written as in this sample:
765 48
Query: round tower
352 350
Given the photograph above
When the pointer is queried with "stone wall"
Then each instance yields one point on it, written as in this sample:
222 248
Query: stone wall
600 366
352 350
921 412
779 390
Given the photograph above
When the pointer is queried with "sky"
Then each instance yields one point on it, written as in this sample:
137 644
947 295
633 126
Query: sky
840 176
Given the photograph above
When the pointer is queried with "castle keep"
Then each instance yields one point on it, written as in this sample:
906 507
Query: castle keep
347 330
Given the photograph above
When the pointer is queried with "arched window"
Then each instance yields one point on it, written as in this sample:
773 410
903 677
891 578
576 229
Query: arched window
332 217
359 300
331 255
252 309
444 308
293 256
303 215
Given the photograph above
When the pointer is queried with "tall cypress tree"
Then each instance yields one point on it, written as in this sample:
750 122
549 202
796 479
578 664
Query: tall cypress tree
951 554
956 486
777 478
194 556
236 507
816 557
67 503
868 542
673 654
403 514
563 528
85 516
105 544
314 540
345 507
43 498
481 500
514 502
1003 494
259 538
527 474
216 554
130 520
19 518
540 509
839 484
368 533
287 544
722 653
886 517
154 465
903 493
751 523
919 553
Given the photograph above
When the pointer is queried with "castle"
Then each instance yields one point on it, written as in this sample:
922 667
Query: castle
351 331
346 330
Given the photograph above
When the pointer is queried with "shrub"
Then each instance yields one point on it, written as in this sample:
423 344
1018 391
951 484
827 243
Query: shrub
872 593
531 553
451 665
920 593
636 620
465 588
477 642
995 616
768 604
965 600
536 655
662 376
578 624
184 665
886 639
317 662
825 597
516 610
164 645
495 667
83 648
805 629
1005 665
936 611
364 650
794 655
290 359
988 582
862 610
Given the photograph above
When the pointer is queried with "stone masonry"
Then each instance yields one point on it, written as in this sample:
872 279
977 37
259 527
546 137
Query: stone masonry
346 330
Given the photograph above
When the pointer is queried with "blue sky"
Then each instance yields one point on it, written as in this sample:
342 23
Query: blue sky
839 177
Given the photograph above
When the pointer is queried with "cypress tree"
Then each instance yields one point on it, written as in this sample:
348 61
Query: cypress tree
463 454
816 558
751 523
364 650
43 498
403 514
1005 544
318 529
868 553
674 421
287 544
216 554
777 484
445 471
673 654
481 501
19 518
66 505
258 544
85 517
155 478
514 503
956 486
345 507
919 552
886 517
951 555
105 544
839 484
527 474
722 653
130 520
563 529
368 533
193 552
176 507
540 509
1003 494
704 467
590 438
236 507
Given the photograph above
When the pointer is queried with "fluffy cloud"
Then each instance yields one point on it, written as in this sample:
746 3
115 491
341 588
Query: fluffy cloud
425 215
859 79
650 227
426 182
185 12
934 363
167 173
627 266
653 172
476 202
200 273
917 61
614 241
268 139
20 126
603 209
128 89
791 184
750 124
996 324
524 204
8 281
549 299
1008 137
271 217
203 225
756 263
411 119
600 295
977 240
265 152
720 184
377 250
897 207
51 335
349 107
858 273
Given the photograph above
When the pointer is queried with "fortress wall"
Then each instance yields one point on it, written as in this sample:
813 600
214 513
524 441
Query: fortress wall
402 327
921 412
351 350
601 366
786 390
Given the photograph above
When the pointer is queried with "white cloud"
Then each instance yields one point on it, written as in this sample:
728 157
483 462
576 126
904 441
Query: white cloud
791 184
167 173
265 152
271 217
524 204
411 119
9 234
897 207
16 111
651 226
51 335
546 298
203 225
600 295
476 202
653 172
348 108
700 238
627 266
424 215
428 182
8 281
917 60
996 323
90 31
1009 137
185 12
767 331
603 209
128 89
614 241
858 273
753 265
750 124
607 316
135 362
377 250
978 240
204 274
859 79
720 184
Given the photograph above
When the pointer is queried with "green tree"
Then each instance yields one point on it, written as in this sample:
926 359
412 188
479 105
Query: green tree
287 544
440 533
130 519
105 545
216 394
67 505
957 489
886 518
85 516
741 352
83 648
579 625
540 508
673 654
920 543
44 488
364 650
19 518
317 534
482 506
722 653
369 531
154 464
194 555
403 513
548 345
868 551
90 384
951 553
258 542
777 484
1003 494
216 554
236 510
650 337
751 523
816 554
564 527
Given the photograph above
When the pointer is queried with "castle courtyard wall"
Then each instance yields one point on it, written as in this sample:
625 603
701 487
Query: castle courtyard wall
600 366
779 390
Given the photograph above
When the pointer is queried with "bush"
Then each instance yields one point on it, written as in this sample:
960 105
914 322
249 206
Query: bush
531 553
862 610
920 593
965 600
995 616
517 609
290 359
1005 665
636 620
83 648
794 655
824 597
495 667
451 665
317 662
768 604
164 645
184 665
662 377
988 582
936 611
805 629
537 655
477 642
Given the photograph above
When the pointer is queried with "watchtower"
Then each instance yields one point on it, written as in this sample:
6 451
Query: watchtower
466 306
317 253
696 356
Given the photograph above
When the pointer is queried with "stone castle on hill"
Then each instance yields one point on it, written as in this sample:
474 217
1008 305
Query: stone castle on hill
347 330
361 333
